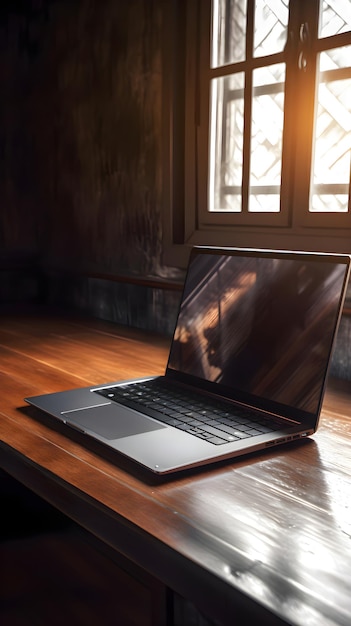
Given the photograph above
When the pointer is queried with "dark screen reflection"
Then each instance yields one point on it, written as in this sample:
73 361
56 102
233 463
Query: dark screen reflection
261 325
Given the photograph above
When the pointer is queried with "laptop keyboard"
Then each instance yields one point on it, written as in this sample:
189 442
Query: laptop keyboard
198 415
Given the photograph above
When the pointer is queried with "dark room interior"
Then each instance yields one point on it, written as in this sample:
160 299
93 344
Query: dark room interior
95 232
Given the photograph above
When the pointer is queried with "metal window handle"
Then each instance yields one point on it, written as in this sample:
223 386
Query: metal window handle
304 33
304 37
302 61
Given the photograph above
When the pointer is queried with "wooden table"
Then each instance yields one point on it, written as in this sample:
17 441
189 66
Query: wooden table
266 538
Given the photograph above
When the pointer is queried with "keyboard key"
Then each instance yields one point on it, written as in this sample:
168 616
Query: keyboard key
204 435
252 431
195 422
183 426
239 434
217 441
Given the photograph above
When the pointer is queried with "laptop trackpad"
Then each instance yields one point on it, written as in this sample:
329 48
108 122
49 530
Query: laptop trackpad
112 421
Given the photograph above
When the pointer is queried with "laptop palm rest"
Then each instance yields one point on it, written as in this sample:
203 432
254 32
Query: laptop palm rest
111 421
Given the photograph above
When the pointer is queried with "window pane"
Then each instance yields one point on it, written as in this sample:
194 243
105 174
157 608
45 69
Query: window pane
267 138
228 31
226 143
329 203
337 58
271 21
331 171
335 17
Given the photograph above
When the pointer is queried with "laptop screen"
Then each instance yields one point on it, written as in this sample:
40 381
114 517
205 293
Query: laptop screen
260 324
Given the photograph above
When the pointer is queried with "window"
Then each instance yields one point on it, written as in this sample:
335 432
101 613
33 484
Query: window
261 125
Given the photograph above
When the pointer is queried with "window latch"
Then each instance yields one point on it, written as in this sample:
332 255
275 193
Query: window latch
304 41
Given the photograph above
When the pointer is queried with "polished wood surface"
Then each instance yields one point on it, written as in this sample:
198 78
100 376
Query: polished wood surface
267 536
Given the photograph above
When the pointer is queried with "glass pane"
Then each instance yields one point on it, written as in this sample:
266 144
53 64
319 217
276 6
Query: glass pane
330 203
226 143
331 170
228 31
267 138
271 21
335 17
337 58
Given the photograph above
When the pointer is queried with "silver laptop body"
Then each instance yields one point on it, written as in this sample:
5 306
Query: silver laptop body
251 348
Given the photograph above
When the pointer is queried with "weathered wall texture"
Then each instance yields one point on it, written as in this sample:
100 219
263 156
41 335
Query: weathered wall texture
81 155
80 133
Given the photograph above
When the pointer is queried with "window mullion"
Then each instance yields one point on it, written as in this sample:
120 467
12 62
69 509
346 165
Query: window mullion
248 106
301 91
247 141
292 90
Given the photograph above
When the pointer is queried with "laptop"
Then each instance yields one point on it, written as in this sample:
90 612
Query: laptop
247 366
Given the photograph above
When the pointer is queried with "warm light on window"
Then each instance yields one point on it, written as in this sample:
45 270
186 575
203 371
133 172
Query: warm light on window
332 137
248 105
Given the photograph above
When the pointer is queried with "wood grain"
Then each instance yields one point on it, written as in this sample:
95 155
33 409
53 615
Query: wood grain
267 536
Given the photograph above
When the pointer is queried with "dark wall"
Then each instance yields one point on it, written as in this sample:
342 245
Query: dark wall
80 133
81 156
